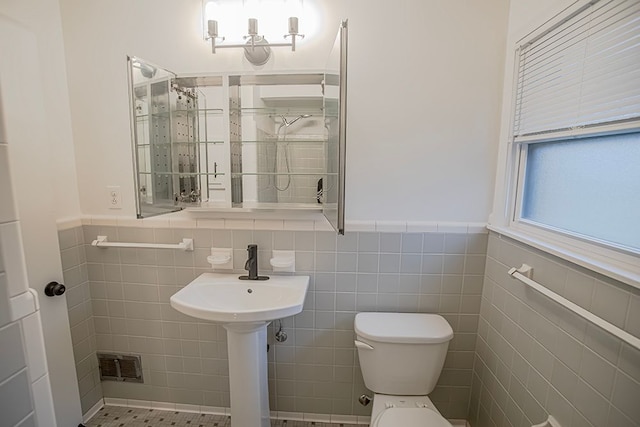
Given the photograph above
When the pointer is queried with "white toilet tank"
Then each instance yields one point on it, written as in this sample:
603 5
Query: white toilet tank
401 353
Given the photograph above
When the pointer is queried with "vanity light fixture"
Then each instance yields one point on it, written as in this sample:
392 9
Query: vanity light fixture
257 49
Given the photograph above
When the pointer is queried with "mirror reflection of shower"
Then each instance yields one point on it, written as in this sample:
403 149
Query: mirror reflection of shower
281 158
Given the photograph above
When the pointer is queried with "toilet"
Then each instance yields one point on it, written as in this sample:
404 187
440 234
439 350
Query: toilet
401 357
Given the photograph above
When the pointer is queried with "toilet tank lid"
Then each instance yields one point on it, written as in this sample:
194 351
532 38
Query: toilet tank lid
407 328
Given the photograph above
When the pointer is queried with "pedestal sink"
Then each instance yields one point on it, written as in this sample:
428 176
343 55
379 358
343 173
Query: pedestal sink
245 308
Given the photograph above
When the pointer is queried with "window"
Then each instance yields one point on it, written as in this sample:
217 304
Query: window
588 187
575 137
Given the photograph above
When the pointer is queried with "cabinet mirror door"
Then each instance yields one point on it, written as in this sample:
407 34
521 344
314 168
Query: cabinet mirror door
176 131
335 113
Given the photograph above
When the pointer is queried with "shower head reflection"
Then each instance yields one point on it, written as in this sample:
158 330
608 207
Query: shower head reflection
288 123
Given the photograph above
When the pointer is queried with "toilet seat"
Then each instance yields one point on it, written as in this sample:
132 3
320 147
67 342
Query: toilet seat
410 417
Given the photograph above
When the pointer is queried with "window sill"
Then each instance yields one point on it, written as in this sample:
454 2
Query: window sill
625 269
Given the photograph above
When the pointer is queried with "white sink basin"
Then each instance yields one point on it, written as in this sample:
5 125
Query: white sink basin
227 299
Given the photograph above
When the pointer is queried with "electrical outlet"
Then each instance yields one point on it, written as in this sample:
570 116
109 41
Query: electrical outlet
114 199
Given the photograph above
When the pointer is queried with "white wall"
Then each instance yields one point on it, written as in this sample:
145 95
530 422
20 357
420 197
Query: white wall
425 81
16 401
42 17
425 88
524 17
38 131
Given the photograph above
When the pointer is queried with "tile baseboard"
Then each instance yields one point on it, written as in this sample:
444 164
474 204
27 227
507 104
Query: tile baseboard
213 410
93 410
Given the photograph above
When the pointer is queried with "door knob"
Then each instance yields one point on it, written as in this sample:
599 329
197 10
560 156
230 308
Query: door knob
54 289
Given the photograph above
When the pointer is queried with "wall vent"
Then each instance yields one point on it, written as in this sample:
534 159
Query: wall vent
120 367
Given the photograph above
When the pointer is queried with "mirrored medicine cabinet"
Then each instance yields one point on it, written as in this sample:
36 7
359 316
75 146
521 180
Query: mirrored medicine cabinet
240 142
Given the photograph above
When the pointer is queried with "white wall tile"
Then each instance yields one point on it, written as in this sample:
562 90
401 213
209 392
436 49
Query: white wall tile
15 398
68 223
579 289
452 227
610 303
577 365
323 225
355 226
43 401
34 345
126 221
625 396
591 404
632 324
292 225
618 419
324 328
11 351
13 258
268 224
22 305
8 210
103 220
177 222
5 302
30 421
391 226
477 227
597 372
239 224
422 227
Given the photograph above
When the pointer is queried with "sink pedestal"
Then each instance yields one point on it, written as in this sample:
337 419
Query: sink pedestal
245 308
247 344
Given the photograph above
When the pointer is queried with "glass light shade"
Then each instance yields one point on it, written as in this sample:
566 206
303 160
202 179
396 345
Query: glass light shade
232 22
272 15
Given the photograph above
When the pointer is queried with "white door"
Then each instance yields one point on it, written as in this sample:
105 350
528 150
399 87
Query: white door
24 132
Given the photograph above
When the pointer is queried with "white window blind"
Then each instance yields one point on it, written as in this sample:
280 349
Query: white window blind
582 73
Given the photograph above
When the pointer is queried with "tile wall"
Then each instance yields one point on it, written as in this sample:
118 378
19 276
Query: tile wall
83 335
16 405
534 357
124 307
303 155
25 390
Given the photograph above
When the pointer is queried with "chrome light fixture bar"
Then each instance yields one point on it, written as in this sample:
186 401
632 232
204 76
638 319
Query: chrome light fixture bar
257 49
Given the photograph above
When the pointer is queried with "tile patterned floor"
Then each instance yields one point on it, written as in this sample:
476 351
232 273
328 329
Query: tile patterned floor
118 416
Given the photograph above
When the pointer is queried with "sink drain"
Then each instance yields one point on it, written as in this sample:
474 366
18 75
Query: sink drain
249 290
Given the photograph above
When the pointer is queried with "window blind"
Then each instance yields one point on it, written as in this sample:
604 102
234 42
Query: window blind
582 73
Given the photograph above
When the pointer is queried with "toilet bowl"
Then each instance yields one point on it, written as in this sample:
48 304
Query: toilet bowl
405 411
401 356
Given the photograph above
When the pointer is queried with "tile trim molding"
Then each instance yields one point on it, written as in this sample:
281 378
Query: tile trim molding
93 411
23 305
214 410
176 221
278 415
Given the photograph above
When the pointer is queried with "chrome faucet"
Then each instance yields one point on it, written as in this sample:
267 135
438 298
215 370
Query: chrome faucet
252 264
